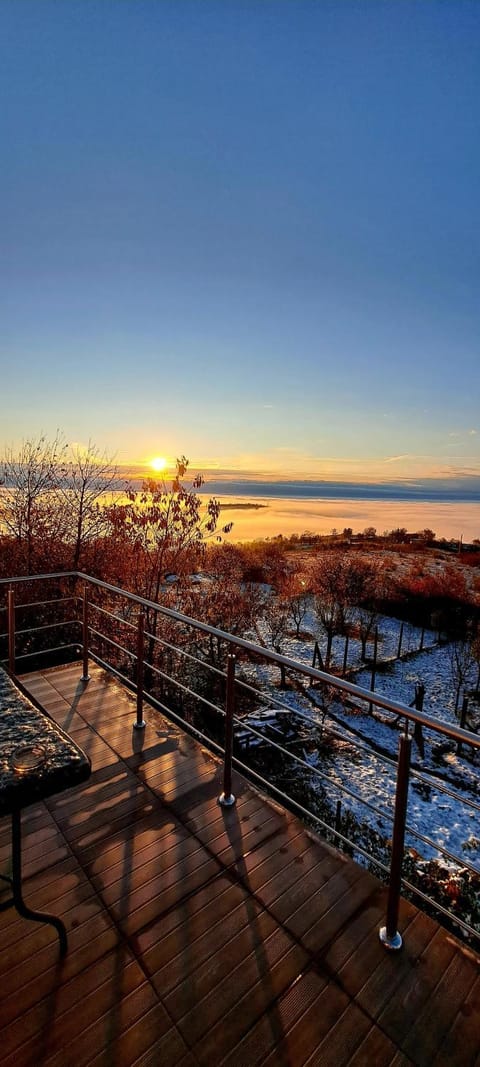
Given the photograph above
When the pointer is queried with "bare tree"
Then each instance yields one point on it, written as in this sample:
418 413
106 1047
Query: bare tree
294 591
338 581
223 600
475 647
462 660
29 504
367 587
276 617
91 475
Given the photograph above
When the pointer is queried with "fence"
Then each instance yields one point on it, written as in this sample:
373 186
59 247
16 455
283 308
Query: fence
210 682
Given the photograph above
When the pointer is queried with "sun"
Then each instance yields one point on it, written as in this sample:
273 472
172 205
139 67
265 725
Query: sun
158 464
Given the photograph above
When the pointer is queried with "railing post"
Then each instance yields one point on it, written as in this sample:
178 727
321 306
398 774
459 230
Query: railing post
389 935
227 799
85 675
139 723
11 630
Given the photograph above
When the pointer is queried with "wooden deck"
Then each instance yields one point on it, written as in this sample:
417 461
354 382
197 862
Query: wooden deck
199 935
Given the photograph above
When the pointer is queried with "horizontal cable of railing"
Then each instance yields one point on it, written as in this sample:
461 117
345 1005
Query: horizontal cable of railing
308 816
380 812
315 771
44 651
346 791
173 715
441 849
187 655
186 689
343 735
111 615
275 703
158 640
440 908
43 603
161 674
44 626
110 641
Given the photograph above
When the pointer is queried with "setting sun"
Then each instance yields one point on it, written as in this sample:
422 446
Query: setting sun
159 463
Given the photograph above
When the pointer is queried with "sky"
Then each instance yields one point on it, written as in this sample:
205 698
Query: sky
247 232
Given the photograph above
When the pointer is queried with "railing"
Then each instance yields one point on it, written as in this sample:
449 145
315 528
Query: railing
200 690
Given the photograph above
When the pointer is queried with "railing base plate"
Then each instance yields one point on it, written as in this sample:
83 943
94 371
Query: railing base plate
392 944
226 802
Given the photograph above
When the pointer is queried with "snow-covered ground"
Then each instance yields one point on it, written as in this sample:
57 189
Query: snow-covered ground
444 802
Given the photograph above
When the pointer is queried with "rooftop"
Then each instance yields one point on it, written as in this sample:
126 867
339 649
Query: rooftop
200 934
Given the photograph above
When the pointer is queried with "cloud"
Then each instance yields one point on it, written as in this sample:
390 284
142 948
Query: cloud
464 433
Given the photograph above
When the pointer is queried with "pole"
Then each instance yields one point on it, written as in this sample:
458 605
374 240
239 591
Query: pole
417 729
375 653
11 630
389 936
227 799
399 649
85 675
139 723
345 657
374 667
463 719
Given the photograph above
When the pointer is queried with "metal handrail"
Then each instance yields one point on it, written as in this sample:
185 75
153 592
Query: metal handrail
389 934
455 733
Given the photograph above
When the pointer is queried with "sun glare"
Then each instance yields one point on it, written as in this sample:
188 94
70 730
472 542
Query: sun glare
158 464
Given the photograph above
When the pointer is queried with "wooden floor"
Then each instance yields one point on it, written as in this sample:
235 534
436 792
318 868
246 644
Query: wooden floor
199 935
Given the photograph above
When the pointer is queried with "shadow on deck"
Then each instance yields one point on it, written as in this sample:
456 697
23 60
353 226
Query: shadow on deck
202 935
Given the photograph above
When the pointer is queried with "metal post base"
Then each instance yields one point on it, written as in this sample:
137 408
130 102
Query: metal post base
16 883
139 725
392 944
226 802
85 678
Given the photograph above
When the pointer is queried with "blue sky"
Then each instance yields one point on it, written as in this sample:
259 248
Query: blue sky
247 232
